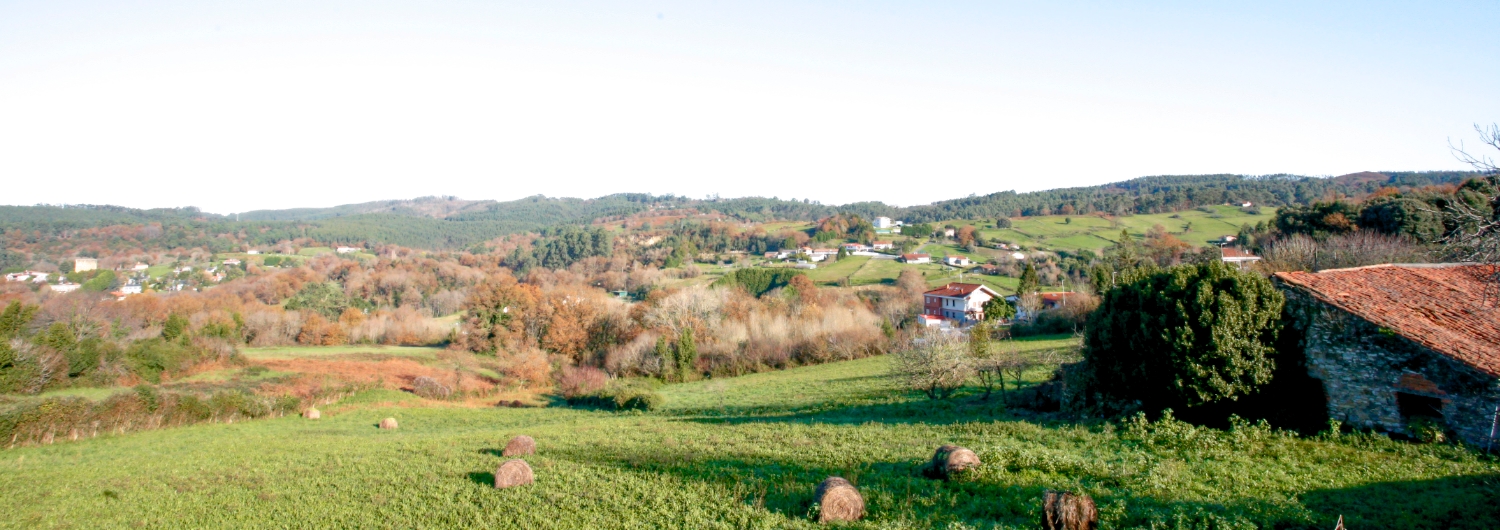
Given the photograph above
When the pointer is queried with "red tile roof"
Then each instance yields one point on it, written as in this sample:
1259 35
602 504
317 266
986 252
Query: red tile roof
1442 307
1236 252
915 256
956 289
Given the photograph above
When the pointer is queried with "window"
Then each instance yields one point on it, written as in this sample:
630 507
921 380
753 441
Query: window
1417 406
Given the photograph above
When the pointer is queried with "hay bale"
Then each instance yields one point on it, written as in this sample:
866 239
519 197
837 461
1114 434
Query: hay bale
513 473
312 414
388 423
838 500
1068 511
950 460
518 446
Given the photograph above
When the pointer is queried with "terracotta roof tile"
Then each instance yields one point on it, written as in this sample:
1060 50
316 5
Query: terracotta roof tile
957 289
1235 252
1442 307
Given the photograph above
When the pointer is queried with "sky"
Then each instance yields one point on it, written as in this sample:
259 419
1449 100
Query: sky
236 106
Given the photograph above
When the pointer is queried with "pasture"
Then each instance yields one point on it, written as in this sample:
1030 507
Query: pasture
1088 232
740 452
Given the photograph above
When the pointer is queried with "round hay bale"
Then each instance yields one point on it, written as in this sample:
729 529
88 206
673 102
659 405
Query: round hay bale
1063 510
513 473
950 460
312 414
388 423
838 500
518 446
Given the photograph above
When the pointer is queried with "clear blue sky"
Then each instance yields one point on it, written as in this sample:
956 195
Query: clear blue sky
234 106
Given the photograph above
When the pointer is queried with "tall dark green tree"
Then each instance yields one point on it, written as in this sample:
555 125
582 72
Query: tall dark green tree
1030 283
1185 336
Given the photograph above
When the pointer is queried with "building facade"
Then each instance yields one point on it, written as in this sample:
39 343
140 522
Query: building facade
1395 344
959 302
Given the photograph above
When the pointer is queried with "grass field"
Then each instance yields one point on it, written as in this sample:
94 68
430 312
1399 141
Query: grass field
735 453
1056 232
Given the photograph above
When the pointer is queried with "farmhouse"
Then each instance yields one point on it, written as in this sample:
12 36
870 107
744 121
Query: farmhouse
1395 343
346 250
882 245
916 258
961 302
957 261
1237 256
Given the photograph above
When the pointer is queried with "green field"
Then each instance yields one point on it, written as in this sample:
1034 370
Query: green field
736 453
1089 232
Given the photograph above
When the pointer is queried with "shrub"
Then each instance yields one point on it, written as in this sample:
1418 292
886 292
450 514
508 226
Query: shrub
430 388
758 281
937 364
1186 336
575 381
633 395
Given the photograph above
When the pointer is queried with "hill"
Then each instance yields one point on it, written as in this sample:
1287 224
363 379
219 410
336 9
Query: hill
449 222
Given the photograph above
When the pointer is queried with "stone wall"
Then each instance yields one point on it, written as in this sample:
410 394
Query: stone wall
1363 367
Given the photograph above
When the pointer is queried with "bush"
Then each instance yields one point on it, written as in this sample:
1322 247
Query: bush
1187 336
576 381
430 388
937 364
758 281
620 396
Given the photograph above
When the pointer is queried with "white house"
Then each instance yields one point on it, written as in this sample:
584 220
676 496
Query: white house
139 266
916 258
1246 204
957 261
1238 257
949 232
253 252
65 287
883 222
855 247
346 250
960 302
85 264
131 289
231 261
882 245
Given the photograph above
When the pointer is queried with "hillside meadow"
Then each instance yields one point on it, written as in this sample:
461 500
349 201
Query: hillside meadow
740 452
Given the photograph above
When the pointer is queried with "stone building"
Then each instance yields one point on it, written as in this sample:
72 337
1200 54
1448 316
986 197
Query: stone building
1393 343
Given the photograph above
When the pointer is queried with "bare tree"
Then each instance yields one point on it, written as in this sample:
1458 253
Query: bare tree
936 363
1475 237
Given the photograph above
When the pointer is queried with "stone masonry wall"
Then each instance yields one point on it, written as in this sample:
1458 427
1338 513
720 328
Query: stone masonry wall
1363 366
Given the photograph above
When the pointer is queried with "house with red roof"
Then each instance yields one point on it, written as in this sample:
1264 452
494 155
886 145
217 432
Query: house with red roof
1395 346
962 303
916 258
1238 257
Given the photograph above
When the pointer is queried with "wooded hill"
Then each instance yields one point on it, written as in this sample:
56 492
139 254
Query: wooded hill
448 222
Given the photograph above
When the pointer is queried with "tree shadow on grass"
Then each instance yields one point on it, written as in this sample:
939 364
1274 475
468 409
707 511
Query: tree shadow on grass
1444 503
483 478
963 409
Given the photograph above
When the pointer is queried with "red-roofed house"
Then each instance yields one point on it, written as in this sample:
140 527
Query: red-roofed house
1394 343
1237 256
916 258
961 302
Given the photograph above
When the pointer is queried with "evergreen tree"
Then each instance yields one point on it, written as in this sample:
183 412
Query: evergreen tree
1029 282
1186 336
687 354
